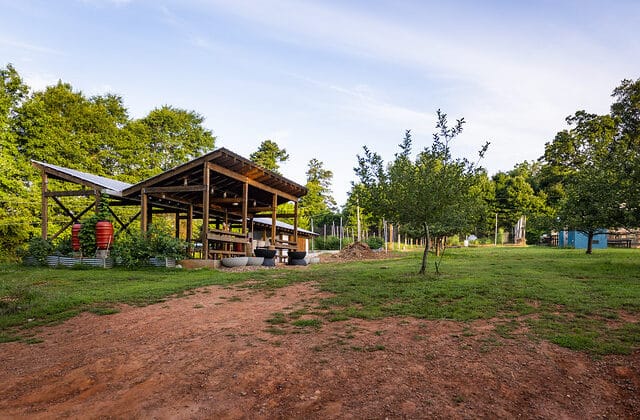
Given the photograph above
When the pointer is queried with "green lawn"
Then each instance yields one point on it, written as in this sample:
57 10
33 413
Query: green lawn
572 299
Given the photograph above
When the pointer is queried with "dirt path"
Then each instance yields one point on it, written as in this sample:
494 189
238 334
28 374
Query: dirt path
209 356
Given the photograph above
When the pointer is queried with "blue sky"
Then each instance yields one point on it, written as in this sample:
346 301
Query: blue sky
324 78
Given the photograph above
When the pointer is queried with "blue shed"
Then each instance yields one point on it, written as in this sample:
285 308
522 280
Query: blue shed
578 240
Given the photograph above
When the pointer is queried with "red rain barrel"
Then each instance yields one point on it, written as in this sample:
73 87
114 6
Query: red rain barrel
239 247
104 235
75 236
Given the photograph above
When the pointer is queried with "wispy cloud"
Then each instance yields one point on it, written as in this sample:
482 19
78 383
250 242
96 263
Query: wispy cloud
10 43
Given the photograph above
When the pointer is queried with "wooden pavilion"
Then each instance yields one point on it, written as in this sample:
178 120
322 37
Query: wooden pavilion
223 188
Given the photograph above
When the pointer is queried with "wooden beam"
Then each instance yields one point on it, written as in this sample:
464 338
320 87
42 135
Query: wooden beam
261 209
177 225
224 200
75 193
44 205
205 211
176 188
89 207
187 167
66 210
125 227
238 177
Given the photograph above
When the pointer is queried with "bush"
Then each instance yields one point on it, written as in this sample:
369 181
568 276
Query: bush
163 245
453 240
375 242
87 235
331 242
39 248
132 250
63 248
135 250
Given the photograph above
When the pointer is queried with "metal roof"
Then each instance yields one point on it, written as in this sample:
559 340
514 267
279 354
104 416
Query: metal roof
192 173
84 178
286 226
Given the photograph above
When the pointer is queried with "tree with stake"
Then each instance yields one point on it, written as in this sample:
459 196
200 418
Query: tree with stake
432 195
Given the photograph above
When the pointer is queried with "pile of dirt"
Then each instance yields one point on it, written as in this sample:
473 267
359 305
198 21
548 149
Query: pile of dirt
355 252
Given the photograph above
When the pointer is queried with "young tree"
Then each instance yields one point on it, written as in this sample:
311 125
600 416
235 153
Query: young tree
433 195
269 155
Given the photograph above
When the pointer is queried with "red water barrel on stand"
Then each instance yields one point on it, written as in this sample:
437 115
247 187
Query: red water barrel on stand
104 235
75 236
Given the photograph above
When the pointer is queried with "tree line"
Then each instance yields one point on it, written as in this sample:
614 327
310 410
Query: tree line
587 179
95 134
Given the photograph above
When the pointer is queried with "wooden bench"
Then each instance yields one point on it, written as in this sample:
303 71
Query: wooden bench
222 252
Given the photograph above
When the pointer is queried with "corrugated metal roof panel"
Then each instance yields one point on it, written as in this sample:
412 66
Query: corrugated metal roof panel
101 181
267 221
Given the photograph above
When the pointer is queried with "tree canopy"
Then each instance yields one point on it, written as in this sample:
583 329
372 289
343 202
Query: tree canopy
63 126
433 194
269 155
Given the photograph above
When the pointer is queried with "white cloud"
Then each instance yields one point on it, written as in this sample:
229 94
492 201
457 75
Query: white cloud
13 44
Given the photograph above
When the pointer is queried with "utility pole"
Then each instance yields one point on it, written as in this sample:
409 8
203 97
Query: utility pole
495 240
340 232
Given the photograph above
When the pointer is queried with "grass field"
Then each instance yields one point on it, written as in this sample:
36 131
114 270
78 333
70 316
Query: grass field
589 303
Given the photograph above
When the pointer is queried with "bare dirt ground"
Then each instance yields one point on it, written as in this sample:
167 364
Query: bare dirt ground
211 355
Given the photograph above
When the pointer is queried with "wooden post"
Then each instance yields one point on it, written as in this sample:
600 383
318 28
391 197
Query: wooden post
177 225
144 214
45 205
245 209
96 194
205 211
274 219
295 223
189 223
245 205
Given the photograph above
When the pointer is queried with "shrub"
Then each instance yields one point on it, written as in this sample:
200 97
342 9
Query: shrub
330 243
453 240
375 242
39 248
136 249
87 235
63 248
132 250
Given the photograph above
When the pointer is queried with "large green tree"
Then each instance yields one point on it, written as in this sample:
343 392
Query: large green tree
17 203
165 138
584 159
269 155
62 126
318 202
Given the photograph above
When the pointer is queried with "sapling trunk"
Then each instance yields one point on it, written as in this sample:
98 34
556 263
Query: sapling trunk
425 254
